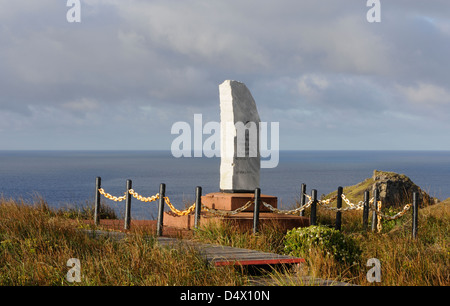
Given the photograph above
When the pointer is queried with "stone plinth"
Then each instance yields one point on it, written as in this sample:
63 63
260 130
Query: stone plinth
233 201
243 220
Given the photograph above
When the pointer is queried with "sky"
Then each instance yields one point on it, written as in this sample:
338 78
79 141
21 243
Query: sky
129 70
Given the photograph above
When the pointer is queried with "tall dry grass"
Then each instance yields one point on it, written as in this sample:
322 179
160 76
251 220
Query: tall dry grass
269 239
35 244
424 261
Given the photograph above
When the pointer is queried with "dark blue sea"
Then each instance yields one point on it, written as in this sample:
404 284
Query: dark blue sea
67 178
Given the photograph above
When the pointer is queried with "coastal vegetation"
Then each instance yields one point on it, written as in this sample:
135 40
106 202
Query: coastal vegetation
405 261
36 243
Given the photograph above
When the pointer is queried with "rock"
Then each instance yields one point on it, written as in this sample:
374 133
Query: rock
397 189
239 139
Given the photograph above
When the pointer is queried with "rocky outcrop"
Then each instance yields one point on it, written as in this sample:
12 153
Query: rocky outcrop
397 189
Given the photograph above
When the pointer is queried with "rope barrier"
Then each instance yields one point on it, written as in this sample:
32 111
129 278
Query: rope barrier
227 212
138 197
111 197
398 215
179 212
323 203
131 192
360 206
289 212
379 226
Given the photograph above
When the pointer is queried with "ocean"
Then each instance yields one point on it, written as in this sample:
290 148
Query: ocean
67 178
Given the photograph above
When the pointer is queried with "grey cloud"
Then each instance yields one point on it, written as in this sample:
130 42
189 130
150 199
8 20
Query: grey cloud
163 61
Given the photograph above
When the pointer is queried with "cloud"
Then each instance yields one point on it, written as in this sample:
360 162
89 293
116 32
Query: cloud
425 101
311 85
82 105
425 93
147 64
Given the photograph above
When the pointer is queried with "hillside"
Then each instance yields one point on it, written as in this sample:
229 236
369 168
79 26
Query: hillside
394 189
438 210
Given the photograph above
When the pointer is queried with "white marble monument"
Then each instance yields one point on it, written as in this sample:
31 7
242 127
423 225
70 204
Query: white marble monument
239 139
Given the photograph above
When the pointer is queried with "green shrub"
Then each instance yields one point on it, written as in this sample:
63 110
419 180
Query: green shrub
300 241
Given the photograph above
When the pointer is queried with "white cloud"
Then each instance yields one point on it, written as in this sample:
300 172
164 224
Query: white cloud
300 59
82 105
346 45
196 29
312 84
444 26
426 94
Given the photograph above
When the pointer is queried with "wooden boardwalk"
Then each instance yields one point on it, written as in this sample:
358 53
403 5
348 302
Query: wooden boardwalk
218 255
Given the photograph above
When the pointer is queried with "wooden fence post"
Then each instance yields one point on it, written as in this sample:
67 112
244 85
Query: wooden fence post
415 214
302 198
374 213
159 224
366 210
128 206
338 206
313 217
98 185
198 206
256 211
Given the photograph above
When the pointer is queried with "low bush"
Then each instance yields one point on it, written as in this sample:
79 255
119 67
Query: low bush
301 241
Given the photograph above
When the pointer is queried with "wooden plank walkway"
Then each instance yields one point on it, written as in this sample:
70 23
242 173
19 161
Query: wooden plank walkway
218 255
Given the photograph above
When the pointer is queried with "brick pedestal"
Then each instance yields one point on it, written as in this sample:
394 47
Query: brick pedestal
231 202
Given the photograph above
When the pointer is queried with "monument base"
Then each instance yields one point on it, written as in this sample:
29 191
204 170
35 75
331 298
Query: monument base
236 191
243 220
230 202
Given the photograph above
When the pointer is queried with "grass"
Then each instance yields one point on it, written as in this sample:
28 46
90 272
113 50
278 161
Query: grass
405 261
269 239
36 242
